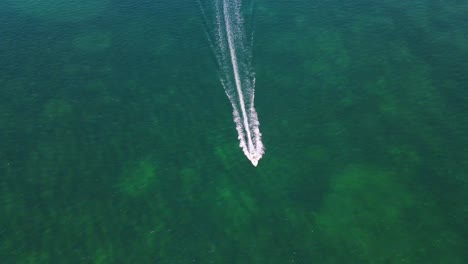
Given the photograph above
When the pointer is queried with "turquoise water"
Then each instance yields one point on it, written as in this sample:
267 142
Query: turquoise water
117 143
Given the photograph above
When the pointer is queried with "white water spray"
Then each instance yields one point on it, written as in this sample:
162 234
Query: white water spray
233 52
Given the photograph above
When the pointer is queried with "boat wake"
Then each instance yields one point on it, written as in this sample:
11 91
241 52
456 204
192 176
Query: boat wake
232 47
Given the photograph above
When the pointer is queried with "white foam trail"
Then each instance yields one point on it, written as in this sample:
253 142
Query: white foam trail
250 150
237 77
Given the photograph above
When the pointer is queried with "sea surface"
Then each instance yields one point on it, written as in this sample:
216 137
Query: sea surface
117 142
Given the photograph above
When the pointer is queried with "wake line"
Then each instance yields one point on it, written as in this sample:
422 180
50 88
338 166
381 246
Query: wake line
234 61
250 146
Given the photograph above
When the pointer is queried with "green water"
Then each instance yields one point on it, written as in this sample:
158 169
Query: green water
117 143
